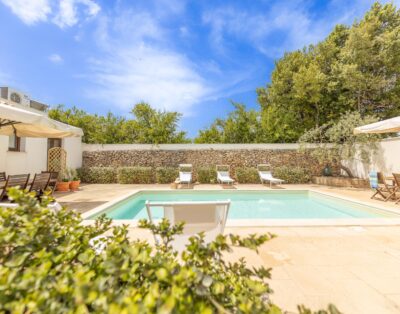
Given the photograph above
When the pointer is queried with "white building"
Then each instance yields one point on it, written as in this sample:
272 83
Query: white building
20 155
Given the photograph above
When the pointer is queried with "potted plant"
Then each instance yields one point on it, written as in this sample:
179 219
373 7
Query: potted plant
63 185
75 180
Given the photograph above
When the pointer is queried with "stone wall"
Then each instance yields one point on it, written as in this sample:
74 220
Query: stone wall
236 156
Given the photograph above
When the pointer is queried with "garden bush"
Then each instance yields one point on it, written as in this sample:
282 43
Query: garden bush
135 175
206 175
166 174
98 175
47 265
292 175
247 175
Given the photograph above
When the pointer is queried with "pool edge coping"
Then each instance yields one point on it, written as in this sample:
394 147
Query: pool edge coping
267 222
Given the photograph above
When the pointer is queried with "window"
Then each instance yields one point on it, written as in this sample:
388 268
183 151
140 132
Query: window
14 143
54 142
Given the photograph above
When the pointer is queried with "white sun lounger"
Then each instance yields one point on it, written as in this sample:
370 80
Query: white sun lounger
223 176
266 176
185 176
208 217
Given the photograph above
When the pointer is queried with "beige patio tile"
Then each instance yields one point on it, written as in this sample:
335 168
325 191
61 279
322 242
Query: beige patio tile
309 281
364 298
286 294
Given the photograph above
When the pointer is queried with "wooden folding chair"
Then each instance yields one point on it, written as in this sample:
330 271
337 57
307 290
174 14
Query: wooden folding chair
3 176
40 183
381 187
20 180
53 180
396 177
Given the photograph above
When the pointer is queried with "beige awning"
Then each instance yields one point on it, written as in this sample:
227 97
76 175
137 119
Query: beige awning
26 123
385 126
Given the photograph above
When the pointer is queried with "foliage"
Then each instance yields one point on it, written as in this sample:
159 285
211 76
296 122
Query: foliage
135 175
336 142
241 126
99 175
148 126
166 174
292 175
48 265
247 175
355 69
206 175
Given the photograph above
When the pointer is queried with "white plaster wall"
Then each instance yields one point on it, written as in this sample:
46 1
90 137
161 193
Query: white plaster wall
386 159
34 158
73 147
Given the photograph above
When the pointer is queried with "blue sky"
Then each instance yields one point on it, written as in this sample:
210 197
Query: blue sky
189 56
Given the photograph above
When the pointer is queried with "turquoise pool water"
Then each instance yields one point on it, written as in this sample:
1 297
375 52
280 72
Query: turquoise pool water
253 205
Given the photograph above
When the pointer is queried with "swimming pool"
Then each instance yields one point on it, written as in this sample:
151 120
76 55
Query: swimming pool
251 205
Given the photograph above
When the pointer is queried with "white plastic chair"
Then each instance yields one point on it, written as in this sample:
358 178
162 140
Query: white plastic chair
267 175
223 176
208 217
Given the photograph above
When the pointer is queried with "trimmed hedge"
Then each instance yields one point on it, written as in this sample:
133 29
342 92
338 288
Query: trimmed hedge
135 175
166 174
206 175
98 175
247 175
292 175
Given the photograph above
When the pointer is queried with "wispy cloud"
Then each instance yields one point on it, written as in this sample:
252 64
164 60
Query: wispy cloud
138 64
56 58
63 13
282 26
29 11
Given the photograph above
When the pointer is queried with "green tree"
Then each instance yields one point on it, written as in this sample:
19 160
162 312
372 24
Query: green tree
241 126
148 126
354 69
151 126
336 142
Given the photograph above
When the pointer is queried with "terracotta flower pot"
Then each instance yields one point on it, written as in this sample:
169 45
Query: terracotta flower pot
74 185
63 186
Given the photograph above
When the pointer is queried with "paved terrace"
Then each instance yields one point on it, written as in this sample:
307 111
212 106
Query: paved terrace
356 268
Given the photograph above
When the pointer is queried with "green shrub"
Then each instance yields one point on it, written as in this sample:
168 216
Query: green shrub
98 175
48 265
247 175
135 175
166 174
292 175
206 175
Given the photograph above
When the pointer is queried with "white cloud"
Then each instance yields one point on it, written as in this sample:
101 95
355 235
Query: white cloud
67 15
282 26
138 63
56 58
29 11
64 13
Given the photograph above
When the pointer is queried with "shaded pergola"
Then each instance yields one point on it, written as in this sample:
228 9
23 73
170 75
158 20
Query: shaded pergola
26 123
385 126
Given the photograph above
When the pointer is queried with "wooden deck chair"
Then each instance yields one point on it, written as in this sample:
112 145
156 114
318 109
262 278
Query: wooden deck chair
53 180
3 176
396 177
208 217
40 183
223 175
378 183
20 180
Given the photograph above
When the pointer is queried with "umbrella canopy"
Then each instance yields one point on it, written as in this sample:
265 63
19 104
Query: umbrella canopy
385 126
25 123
